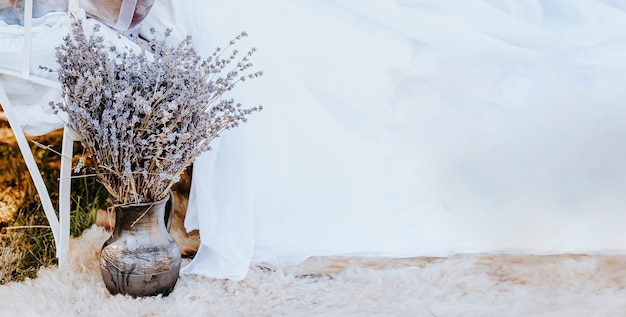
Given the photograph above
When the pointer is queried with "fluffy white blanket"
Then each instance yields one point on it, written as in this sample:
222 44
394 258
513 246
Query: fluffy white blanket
460 285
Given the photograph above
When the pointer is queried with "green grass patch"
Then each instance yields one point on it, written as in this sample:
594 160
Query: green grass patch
26 241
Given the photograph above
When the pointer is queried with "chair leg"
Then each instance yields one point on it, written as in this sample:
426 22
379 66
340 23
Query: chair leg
33 169
65 182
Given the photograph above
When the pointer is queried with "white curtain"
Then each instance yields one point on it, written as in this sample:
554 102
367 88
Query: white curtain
406 128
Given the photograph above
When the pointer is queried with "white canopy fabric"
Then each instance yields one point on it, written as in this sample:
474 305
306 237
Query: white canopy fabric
410 128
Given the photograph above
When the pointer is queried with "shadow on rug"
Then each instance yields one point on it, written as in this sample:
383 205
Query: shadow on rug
460 285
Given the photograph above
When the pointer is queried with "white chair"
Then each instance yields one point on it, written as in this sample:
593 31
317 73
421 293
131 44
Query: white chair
20 77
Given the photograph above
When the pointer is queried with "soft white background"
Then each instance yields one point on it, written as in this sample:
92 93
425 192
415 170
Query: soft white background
417 128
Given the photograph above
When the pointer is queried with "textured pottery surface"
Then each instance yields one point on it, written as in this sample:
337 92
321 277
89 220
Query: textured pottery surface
141 258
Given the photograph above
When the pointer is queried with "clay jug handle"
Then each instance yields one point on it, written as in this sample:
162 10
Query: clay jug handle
169 211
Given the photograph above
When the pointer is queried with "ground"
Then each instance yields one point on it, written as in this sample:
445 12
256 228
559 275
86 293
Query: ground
25 236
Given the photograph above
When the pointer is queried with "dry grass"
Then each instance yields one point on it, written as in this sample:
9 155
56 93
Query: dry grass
26 241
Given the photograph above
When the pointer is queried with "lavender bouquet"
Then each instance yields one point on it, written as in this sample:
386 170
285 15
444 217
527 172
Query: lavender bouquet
145 114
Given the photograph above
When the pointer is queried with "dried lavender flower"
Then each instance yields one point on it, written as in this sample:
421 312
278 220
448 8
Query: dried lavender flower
145 115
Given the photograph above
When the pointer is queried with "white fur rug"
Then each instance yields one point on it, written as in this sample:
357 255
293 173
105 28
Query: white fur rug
461 285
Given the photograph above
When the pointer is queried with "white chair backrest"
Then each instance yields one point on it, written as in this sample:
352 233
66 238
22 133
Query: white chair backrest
27 45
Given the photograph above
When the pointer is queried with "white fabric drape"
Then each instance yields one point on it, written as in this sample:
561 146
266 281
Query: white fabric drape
404 128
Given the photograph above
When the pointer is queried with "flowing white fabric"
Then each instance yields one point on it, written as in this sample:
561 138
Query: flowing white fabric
408 127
